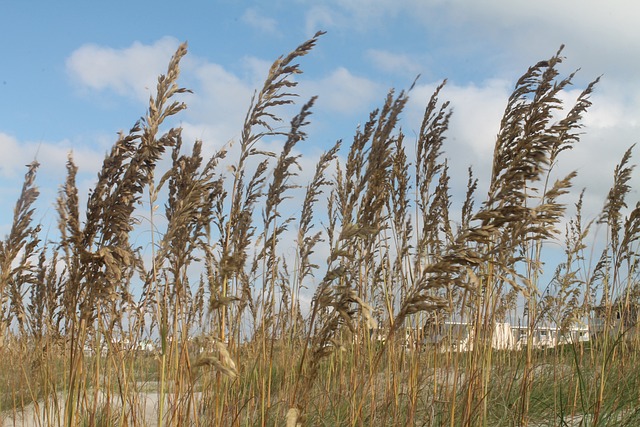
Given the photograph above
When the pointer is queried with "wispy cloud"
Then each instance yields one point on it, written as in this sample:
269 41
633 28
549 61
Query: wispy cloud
393 63
322 18
257 20
51 154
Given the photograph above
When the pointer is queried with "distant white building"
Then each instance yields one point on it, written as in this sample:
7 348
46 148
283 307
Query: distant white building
550 336
459 336
617 318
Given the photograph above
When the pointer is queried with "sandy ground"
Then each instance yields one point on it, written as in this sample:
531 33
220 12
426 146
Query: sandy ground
37 415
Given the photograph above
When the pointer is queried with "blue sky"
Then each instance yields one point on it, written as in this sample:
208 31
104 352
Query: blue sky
74 74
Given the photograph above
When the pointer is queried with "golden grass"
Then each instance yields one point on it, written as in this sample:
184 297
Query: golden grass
221 295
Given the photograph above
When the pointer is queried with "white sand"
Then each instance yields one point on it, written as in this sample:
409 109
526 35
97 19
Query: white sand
37 415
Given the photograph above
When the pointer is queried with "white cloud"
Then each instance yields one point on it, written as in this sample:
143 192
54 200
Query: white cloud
220 96
477 110
342 92
218 106
614 106
132 71
255 19
585 19
601 37
470 139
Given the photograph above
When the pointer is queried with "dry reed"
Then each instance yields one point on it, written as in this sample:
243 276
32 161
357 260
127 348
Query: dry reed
221 297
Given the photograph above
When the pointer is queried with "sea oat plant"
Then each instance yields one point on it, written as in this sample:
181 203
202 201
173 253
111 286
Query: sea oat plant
215 286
